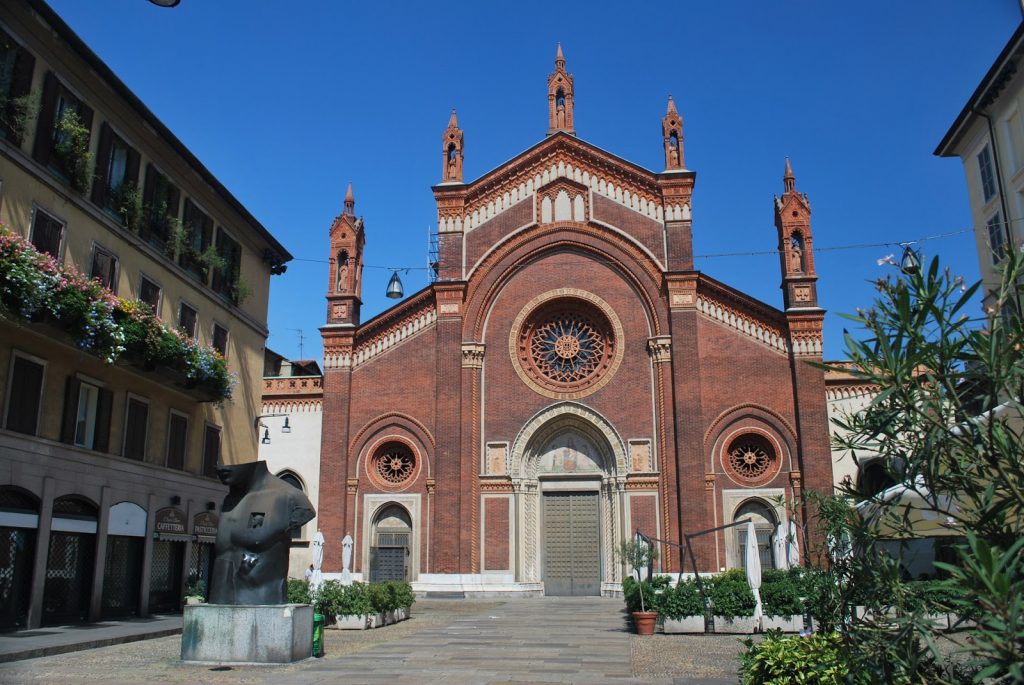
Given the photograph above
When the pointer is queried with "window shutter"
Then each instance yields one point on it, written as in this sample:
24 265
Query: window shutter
131 170
67 426
99 186
177 437
135 420
85 115
26 389
104 405
211 451
47 111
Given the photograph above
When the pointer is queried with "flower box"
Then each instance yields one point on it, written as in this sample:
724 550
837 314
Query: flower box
741 625
351 622
375 620
686 624
787 624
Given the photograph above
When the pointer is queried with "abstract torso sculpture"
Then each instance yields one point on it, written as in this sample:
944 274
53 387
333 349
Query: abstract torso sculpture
251 553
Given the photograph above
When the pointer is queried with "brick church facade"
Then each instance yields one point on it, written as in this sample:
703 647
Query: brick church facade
567 380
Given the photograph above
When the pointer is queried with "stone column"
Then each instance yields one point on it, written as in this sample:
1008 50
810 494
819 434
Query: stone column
147 556
100 558
472 370
35 603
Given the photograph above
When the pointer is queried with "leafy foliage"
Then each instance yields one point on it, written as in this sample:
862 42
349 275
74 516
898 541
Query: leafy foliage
779 660
71 149
34 285
948 425
681 601
730 595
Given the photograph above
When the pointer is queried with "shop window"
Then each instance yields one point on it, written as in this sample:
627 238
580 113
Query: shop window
149 293
188 319
177 440
25 390
104 268
136 426
211 450
47 233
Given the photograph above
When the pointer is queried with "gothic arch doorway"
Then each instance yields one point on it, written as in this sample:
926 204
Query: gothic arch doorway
390 544
566 465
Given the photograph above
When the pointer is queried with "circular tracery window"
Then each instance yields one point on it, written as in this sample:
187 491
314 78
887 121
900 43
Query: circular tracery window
751 459
393 464
565 347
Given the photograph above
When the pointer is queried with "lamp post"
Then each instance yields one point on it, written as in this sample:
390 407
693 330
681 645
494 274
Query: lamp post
257 423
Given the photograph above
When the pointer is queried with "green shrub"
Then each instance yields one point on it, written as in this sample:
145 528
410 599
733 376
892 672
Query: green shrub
783 592
298 592
681 601
653 591
380 598
730 594
779 660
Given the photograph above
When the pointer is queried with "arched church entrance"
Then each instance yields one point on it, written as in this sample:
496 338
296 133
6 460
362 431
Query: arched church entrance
567 459
390 543
570 476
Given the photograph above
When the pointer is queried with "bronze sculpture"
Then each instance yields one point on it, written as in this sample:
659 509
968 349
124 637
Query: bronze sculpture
251 552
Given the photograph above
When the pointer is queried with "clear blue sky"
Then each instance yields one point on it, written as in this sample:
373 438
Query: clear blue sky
287 102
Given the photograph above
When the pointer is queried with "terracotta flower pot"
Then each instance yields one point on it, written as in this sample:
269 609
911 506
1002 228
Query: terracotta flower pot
645 621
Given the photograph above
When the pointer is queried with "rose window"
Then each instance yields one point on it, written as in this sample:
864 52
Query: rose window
394 464
566 347
751 458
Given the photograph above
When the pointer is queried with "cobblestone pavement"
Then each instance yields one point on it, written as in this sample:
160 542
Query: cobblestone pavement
455 642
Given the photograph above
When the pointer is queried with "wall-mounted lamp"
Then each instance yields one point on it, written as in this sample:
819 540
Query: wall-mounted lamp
211 506
266 436
175 500
395 291
286 428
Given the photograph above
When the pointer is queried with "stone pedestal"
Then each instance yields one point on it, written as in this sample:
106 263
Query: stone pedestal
247 634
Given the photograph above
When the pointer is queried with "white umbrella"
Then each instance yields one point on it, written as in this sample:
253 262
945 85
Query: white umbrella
317 549
346 560
753 559
792 549
779 547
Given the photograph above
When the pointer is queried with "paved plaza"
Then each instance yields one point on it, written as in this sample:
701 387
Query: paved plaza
456 642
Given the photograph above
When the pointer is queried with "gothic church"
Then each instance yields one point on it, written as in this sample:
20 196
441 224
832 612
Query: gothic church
568 379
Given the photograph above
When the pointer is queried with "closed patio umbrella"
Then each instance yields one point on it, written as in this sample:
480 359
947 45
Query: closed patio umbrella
753 559
792 549
317 549
779 547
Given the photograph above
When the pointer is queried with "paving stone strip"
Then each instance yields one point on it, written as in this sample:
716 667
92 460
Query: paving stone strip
455 642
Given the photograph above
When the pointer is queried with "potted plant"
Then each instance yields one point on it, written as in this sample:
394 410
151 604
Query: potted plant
732 602
681 608
639 595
